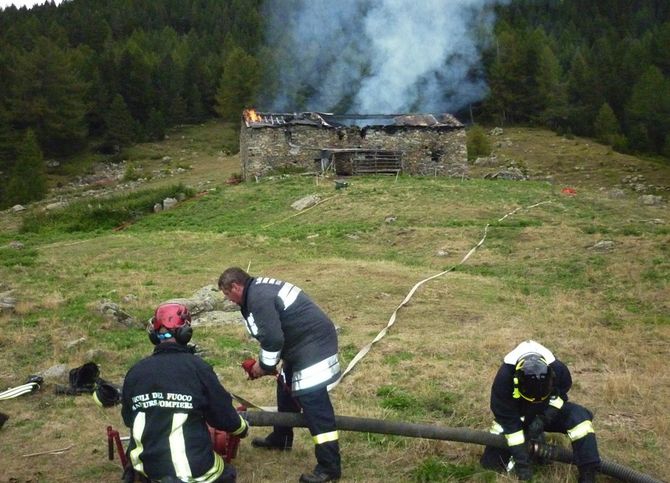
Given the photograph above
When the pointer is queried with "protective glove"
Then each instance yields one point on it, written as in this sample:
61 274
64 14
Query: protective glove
536 428
248 366
550 415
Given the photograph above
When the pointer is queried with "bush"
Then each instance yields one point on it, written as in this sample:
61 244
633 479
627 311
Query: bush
230 140
478 143
132 172
102 214
606 126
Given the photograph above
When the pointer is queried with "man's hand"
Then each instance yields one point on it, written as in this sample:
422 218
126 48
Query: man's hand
257 371
254 369
550 414
248 366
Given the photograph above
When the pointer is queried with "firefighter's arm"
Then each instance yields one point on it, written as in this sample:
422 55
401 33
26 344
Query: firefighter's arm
270 336
503 405
126 404
505 409
559 396
220 413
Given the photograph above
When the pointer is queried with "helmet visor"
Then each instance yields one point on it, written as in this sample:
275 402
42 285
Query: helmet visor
535 389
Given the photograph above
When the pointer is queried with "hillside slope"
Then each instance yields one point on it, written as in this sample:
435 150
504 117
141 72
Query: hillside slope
585 273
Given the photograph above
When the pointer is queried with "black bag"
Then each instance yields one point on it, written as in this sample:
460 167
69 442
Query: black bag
82 380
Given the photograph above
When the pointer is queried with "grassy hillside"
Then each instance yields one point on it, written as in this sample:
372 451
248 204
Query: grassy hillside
538 274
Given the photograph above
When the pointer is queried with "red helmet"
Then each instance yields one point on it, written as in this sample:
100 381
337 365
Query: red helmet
171 316
176 319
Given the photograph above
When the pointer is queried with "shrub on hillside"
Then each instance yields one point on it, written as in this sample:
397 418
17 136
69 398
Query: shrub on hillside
101 214
606 127
478 143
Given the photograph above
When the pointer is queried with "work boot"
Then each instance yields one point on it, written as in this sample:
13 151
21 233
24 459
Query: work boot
270 442
318 476
587 474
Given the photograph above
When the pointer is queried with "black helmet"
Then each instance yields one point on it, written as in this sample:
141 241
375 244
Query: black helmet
533 378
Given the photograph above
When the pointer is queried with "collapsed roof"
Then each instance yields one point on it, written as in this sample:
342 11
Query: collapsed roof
254 119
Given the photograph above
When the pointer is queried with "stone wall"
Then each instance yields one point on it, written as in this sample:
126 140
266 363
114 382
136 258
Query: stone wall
426 150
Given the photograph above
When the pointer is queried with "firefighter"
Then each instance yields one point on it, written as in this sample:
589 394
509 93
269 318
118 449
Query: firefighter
292 328
529 396
168 401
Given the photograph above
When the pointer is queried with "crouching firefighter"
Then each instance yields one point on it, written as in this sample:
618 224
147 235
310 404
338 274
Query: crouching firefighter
292 328
168 399
530 396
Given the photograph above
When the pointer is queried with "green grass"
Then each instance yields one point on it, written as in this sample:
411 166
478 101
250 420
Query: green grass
435 470
11 257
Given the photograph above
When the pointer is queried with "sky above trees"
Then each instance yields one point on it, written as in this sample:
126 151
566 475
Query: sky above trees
23 3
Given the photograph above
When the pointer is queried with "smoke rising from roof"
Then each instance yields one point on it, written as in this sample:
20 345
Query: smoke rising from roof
377 56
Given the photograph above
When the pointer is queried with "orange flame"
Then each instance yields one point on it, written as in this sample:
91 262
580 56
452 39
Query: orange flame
251 115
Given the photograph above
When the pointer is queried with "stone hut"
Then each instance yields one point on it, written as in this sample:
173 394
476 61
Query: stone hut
418 144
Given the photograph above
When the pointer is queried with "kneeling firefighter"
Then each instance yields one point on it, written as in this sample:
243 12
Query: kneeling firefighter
168 399
529 396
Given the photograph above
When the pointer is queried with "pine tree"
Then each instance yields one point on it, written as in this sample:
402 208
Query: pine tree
7 140
552 91
649 110
584 95
48 97
135 80
28 180
238 86
155 128
121 127
606 126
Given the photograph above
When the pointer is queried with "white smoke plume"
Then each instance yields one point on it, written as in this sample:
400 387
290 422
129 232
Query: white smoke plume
377 56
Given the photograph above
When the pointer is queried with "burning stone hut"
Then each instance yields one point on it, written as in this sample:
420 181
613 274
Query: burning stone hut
419 144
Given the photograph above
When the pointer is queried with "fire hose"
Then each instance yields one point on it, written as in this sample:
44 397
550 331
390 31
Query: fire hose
462 435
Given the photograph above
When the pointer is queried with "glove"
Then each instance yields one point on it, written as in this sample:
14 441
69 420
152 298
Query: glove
550 414
536 428
248 366
522 467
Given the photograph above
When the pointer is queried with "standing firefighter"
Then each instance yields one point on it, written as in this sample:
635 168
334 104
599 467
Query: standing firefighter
292 328
169 398
530 396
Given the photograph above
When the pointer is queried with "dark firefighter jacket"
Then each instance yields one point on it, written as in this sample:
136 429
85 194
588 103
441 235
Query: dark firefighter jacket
167 399
291 327
508 409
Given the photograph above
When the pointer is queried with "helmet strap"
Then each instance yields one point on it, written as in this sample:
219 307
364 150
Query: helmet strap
516 394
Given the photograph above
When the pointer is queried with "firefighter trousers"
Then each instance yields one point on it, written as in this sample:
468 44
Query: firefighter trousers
320 418
573 420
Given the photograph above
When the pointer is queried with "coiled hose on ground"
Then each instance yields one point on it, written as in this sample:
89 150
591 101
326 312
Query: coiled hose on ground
463 435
